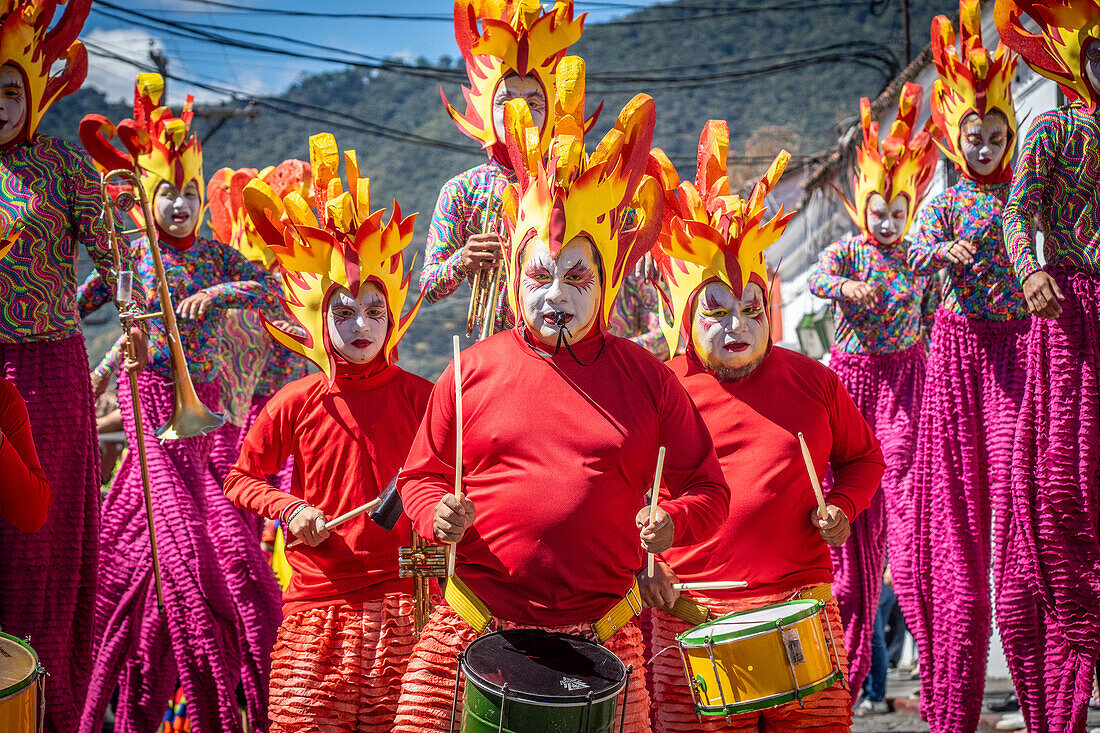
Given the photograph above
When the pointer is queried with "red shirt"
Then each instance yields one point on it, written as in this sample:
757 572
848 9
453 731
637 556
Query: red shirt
24 490
348 440
557 459
768 539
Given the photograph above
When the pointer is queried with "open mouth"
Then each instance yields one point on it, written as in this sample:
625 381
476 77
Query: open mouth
557 318
179 217
736 346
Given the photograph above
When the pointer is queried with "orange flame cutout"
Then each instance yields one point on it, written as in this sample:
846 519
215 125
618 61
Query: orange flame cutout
710 234
29 43
1067 28
343 245
902 166
570 193
516 37
9 238
971 81
228 218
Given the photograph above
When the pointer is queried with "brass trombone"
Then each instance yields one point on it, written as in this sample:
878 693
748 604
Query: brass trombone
486 285
189 417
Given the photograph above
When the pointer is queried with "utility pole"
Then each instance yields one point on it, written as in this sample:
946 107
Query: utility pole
905 31
161 62
223 114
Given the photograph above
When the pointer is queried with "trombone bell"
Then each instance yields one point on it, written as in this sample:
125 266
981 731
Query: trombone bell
190 418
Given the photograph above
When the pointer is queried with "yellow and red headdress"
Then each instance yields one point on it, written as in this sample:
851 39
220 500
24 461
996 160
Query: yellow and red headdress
515 37
711 234
344 245
605 196
159 147
971 81
902 166
1057 52
28 42
228 218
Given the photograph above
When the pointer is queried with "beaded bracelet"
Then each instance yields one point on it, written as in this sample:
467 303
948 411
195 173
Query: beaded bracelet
293 507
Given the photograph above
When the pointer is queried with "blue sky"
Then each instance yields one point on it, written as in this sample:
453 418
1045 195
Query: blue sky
259 73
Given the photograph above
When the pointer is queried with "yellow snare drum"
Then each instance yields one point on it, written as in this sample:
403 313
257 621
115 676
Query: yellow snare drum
759 659
21 681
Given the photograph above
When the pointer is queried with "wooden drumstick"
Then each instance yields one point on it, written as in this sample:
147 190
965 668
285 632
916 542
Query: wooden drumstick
711 585
813 477
653 500
334 523
452 550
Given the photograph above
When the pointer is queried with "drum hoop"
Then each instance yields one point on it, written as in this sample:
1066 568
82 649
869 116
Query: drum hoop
30 679
809 608
764 703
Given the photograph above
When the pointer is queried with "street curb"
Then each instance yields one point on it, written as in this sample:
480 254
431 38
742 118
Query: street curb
912 705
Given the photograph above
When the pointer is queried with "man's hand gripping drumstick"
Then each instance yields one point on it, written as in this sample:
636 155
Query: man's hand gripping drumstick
657 531
830 519
454 514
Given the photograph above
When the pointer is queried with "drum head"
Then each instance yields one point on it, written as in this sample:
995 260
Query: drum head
747 623
18 665
541 667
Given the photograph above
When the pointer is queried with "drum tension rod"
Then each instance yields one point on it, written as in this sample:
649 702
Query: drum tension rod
626 694
454 700
503 706
790 664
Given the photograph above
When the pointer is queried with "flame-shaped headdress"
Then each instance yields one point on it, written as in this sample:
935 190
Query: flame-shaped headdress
159 147
344 245
516 37
971 81
1057 52
569 193
29 43
902 166
710 234
228 218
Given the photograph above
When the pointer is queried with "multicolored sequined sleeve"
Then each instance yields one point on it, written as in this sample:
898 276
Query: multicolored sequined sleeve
111 361
1028 183
829 273
93 294
248 285
934 236
634 316
443 273
930 304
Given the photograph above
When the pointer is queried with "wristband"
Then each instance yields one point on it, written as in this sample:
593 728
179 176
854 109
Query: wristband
291 507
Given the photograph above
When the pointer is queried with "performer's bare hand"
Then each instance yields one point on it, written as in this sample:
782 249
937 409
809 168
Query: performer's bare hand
1042 294
961 253
658 536
99 384
195 306
657 592
308 525
453 517
835 529
859 292
140 340
647 267
481 251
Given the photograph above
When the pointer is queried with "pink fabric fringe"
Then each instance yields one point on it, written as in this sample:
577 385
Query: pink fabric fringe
228 440
971 398
222 606
887 390
49 577
1048 576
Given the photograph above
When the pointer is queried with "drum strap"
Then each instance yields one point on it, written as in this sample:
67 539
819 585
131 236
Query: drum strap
619 615
822 592
466 604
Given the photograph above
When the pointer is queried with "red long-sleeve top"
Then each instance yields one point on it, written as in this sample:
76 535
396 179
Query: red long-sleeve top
348 440
557 458
768 539
24 490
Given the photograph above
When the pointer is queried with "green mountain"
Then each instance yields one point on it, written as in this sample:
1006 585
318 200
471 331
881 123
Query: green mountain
700 59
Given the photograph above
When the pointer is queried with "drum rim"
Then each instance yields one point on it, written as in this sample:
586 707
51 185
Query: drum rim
490 688
771 701
29 680
809 608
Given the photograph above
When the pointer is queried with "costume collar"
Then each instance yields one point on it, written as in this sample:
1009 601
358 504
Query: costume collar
367 377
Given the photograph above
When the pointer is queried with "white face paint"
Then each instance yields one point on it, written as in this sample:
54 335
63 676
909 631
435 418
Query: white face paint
552 290
13 103
177 212
887 222
514 87
730 334
1091 62
357 326
983 142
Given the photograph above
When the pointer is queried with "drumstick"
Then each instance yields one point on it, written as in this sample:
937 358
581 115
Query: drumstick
813 477
653 499
453 550
713 585
334 523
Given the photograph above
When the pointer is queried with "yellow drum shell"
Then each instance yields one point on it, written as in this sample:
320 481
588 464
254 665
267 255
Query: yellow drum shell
753 656
20 686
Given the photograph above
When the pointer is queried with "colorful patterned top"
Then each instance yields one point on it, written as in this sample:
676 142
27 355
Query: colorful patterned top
51 188
901 316
283 367
217 269
634 315
1058 179
458 216
988 289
